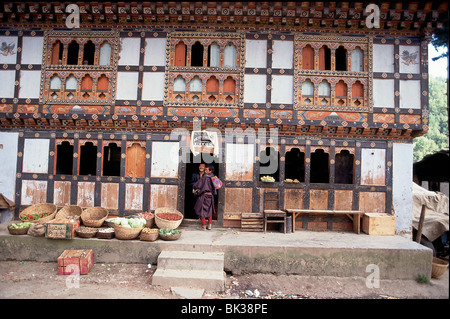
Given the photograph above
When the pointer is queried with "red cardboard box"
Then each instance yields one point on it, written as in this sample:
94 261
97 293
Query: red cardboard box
61 229
75 262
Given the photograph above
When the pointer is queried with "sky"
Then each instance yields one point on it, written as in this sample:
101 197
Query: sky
439 67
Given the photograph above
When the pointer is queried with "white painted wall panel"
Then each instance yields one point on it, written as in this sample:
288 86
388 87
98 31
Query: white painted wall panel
255 88
373 166
7 88
30 82
32 50
165 159
402 201
33 192
127 85
129 51
283 54
410 94
155 51
35 156
282 89
383 58
255 53
153 86
134 196
239 160
8 160
383 93
409 58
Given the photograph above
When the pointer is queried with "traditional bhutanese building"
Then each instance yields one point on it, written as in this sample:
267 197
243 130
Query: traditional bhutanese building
322 98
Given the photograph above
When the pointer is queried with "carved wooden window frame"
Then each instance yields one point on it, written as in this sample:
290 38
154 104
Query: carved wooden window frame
187 72
96 97
332 76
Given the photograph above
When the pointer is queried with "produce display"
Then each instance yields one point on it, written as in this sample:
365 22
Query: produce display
288 180
20 225
32 217
129 222
267 179
147 230
106 230
168 232
86 230
146 215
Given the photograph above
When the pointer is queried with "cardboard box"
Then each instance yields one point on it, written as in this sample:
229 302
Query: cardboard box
61 229
74 262
378 224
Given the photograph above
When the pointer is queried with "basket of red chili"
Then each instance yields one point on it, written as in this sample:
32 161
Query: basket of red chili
168 218
38 213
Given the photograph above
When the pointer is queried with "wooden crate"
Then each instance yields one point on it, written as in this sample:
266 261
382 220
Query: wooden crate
378 224
76 262
252 222
61 229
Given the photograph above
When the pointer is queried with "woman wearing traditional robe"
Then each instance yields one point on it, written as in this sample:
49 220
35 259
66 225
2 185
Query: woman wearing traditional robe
204 205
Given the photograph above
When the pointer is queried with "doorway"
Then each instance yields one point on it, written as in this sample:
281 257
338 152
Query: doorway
192 163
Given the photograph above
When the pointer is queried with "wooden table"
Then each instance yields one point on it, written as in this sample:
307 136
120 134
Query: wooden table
354 215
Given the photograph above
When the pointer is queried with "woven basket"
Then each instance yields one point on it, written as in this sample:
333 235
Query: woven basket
126 233
438 267
69 210
152 236
18 231
167 224
105 235
94 216
38 209
92 232
170 237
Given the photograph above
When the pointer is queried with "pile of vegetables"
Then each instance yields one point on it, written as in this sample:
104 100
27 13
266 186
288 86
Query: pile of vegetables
20 225
168 232
129 222
33 217
146 215
267 179
147 230
169 216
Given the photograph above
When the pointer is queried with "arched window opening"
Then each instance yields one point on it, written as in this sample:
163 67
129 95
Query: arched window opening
357 60
195 85
229 89
71 83
269 163
357 93
105 54
179 84
72 53
308 58
180 54
57 52
341 58
320 167
214 55
111 160
212 88
135 161
88 159
64 158
308 92
343 167
229 56
295 165
102 83
55 83
197 54
89 53
324 58
86 83
324 92
340 93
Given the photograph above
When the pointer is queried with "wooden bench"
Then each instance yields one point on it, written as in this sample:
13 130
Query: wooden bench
354 215
252 222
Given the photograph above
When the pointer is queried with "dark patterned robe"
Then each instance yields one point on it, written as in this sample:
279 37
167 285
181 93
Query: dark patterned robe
204 206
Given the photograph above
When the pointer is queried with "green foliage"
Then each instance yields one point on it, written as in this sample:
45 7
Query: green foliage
437 135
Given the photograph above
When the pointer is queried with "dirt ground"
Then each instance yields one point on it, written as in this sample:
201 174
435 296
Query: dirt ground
32 280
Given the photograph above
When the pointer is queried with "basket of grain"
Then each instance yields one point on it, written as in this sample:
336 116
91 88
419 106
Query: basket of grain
438 267
86 232
94 216
38 213
69 211
168 218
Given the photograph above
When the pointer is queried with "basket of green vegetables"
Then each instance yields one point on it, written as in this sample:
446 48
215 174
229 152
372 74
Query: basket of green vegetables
19 228
169 234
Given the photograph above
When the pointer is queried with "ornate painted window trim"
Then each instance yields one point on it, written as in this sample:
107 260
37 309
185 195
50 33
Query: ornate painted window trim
96 96
220 73
332 76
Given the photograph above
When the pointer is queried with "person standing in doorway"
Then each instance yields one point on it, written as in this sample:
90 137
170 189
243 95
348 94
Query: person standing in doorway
204 205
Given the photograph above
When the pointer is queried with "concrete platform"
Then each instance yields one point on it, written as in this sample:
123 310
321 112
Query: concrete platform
329 253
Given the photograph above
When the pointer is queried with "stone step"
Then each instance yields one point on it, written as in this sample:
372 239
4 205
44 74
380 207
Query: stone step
191 260
206 279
